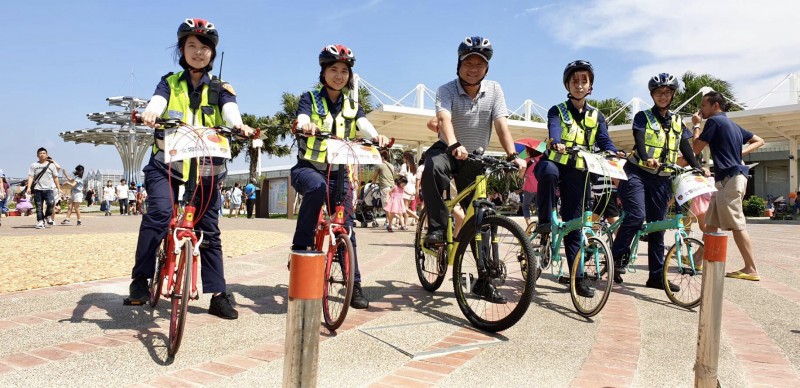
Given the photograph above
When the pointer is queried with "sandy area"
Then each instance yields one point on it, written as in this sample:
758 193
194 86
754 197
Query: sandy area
51 260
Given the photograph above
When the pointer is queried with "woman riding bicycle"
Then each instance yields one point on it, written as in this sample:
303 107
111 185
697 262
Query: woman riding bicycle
328 110
570 123
193 97
659 135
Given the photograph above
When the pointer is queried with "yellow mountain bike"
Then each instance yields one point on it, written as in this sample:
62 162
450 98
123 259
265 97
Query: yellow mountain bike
491 252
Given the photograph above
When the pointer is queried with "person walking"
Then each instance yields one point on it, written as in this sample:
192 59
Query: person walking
75 196
659 136
384 177
530 187
725 139
122 197
236 200
42 181
109 195
250 194
570 123
327 109
466 110
197 99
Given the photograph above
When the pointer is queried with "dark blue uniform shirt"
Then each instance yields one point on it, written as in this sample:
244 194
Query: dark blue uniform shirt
725 139
163 88
304 105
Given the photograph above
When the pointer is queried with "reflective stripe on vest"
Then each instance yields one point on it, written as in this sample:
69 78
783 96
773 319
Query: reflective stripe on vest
656 140
178 108
573 134
314 149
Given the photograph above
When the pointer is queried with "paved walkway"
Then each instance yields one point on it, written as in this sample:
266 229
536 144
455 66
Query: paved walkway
81 335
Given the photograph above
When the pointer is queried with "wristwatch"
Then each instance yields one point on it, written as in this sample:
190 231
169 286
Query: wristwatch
513 156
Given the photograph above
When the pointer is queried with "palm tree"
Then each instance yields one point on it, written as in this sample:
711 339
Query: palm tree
272 134
692 83
610 107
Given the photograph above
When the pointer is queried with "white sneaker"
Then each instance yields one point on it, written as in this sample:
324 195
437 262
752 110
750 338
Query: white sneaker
40 225
49 221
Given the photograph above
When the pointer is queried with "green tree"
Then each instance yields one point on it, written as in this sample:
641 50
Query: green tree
691 85
272 135
610 107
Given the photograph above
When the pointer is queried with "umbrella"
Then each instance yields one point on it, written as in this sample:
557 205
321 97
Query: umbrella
529 147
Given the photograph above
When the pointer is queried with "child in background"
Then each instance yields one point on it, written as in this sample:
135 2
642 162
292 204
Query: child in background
395 206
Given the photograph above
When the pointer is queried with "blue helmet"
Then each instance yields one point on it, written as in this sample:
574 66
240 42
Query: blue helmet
475 45
663 79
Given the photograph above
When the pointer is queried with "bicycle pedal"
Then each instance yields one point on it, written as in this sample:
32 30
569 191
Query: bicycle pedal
563 280
133 302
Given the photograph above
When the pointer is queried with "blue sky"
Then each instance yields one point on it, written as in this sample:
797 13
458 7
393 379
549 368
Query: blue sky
62 59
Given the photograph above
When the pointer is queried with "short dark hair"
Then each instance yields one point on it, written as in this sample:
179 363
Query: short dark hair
717 98
401 179
40 150
179 57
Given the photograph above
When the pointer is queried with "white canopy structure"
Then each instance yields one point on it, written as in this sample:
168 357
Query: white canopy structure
132 141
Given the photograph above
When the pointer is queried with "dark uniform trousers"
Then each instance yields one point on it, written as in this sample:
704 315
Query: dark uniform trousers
574 190
439 165
311 184
645 196
161 195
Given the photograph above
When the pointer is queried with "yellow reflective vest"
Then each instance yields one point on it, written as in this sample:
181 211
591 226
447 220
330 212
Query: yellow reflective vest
573 134
660 144
178 108
315 149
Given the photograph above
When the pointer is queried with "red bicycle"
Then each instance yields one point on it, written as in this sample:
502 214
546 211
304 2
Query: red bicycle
177 258
332 236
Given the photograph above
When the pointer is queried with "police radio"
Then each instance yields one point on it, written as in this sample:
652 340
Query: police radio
216 84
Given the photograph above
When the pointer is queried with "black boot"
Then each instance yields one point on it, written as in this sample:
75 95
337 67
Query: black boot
358 301
139 290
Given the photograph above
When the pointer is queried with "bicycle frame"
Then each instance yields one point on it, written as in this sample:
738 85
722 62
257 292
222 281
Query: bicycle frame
559 230
333 225
674 223
181 228
477 191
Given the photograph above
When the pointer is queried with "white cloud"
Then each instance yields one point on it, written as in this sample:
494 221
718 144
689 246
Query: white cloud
533 10
753 45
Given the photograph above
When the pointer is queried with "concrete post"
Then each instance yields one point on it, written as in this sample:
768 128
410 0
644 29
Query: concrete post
708 332
301 353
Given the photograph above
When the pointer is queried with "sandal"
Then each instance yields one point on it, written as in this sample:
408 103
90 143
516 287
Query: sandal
743 276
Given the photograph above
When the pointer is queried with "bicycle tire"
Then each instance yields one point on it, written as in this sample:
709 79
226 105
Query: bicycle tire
681 274
599 277
481 313
180 299
335 298
157 281
431 270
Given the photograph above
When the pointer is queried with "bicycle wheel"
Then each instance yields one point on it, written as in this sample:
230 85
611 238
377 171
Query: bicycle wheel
430 268
180 299
495 296
601 229
337 288
157 282
678 270
598 274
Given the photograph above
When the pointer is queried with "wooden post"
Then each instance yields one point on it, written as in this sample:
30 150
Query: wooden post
708 332
303 319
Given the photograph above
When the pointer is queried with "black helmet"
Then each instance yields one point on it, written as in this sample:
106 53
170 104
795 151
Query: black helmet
475 45
575 66
663 79
199 27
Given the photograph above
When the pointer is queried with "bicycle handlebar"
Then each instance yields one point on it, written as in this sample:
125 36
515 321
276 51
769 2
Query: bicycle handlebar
175 123
491 162
328 135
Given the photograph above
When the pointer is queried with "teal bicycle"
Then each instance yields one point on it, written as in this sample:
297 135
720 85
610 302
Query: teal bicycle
683 261
593 265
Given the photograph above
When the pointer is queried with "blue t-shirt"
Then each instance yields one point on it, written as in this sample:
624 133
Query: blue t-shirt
250 191
725 139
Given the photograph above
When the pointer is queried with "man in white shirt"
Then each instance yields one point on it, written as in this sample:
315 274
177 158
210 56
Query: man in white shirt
122 197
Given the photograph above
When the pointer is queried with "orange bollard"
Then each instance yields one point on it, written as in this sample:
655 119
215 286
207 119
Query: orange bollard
301 352
710 320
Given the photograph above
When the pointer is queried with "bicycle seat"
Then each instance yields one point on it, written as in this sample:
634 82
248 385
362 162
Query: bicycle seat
543 228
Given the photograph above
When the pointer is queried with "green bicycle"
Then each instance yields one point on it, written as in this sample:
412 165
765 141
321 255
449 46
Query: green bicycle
497 261
683 261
